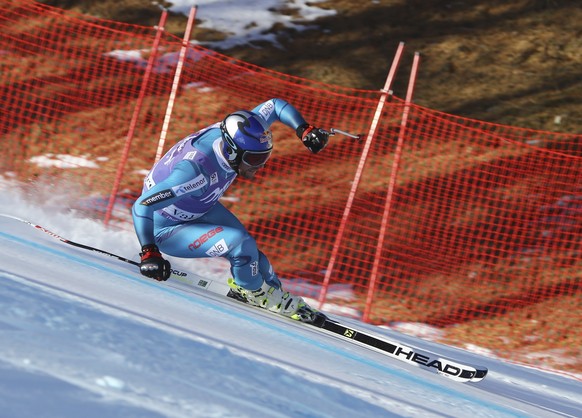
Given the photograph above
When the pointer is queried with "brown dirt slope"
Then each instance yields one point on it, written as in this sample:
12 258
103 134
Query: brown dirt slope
514 63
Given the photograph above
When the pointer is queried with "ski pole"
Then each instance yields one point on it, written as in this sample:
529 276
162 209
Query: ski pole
334 131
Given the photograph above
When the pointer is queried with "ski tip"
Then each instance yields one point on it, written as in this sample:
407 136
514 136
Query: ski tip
479 375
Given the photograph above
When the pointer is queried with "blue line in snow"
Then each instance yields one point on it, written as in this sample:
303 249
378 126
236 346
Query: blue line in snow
270 326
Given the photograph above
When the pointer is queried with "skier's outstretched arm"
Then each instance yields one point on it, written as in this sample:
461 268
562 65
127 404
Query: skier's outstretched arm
275 109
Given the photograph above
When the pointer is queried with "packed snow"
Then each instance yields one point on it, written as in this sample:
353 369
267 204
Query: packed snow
248 21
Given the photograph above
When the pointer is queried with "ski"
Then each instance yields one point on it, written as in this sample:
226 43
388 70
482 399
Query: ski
186 281
451 369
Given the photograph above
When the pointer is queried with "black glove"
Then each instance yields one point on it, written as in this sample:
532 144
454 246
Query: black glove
153 264
315 139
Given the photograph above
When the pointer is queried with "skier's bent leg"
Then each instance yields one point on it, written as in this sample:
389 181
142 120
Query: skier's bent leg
253 276
268 294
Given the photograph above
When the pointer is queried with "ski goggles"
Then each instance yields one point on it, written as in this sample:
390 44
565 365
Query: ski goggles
255 158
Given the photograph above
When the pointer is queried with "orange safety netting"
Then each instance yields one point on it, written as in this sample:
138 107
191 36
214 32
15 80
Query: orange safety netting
483 220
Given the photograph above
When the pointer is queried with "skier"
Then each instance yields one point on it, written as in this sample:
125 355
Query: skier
179 212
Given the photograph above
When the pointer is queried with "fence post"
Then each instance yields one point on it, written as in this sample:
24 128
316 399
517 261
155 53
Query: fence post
390 193
176 82
134 118
385 91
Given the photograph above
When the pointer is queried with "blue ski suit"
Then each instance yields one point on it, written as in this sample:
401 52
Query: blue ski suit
179 209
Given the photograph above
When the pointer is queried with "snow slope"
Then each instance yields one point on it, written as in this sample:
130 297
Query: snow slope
83 334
